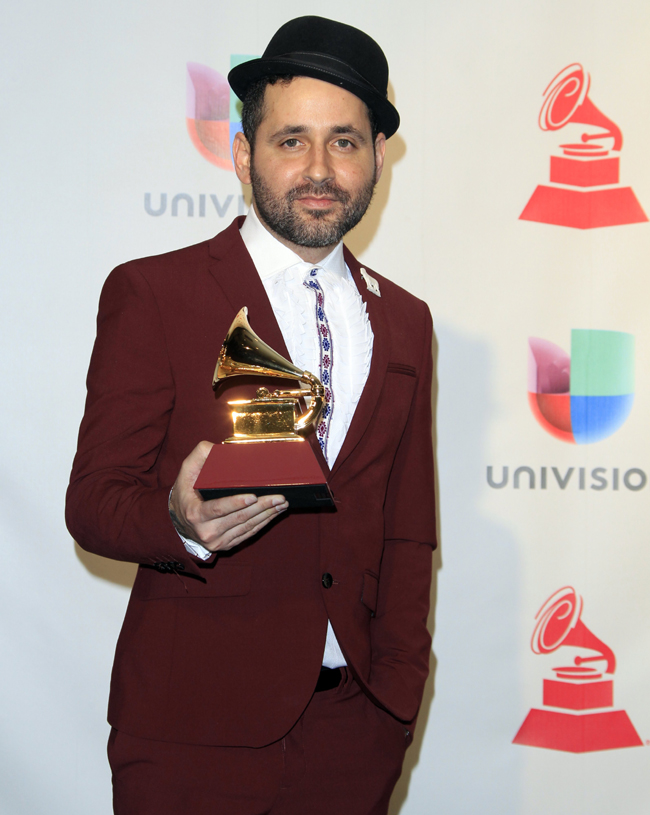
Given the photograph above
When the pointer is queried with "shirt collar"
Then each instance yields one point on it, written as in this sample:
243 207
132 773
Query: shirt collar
270 256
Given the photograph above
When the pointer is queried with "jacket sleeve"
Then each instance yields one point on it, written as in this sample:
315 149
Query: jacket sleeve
401 643
116 504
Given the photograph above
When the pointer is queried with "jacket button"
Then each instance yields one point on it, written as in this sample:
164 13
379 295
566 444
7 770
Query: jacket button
327 580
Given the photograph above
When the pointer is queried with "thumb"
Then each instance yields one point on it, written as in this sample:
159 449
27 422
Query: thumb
193 464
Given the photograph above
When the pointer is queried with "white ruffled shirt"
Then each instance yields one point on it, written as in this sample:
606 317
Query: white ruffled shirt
283 273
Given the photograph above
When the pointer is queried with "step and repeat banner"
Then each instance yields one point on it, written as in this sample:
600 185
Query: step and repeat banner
515 202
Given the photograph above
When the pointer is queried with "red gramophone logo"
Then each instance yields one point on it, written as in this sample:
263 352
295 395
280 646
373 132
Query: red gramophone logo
578 714
584 191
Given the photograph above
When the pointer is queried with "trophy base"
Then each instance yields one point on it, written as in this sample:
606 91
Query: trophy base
265 468
583 210
577 733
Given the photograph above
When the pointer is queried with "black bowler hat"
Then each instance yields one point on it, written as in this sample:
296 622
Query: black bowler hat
327 50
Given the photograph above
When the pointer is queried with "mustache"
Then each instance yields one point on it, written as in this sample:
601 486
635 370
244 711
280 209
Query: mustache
325 190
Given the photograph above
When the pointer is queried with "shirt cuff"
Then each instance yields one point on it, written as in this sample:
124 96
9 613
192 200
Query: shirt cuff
195 548
191 546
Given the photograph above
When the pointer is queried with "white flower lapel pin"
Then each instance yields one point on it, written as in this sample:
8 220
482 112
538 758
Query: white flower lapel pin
371 283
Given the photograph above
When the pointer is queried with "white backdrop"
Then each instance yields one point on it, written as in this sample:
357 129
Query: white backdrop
94 118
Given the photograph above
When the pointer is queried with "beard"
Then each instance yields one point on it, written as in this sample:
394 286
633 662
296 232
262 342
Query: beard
316 228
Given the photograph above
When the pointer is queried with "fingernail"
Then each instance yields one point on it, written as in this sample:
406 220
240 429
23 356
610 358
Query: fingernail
279 500
250 499
282 507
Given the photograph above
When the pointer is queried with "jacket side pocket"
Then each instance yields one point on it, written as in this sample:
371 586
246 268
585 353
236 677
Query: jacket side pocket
369 591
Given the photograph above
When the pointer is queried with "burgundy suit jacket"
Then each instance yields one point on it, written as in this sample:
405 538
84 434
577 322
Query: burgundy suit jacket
228 652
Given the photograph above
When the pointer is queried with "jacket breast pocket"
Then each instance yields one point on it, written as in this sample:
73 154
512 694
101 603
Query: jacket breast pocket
401 368
227 579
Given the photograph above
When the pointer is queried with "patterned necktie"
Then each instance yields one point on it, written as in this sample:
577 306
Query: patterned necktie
326 359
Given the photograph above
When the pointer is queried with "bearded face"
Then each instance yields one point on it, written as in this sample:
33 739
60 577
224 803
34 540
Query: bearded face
314 162
284 214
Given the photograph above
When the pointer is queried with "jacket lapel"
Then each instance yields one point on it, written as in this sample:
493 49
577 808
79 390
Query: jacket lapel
234 271
380 356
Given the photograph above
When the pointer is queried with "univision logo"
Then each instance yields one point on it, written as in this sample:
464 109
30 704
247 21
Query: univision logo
212 117
213 112
632 478
585 397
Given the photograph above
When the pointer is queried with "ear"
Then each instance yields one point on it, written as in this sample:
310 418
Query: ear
380 152
241 156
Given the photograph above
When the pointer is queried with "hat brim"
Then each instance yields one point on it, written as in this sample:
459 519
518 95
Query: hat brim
317 66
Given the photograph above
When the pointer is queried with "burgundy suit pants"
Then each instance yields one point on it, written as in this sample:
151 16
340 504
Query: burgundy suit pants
344 755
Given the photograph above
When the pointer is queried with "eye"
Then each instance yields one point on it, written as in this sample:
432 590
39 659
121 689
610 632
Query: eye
344 143
290 142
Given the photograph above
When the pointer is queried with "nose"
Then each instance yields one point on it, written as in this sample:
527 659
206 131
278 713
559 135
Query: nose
319 168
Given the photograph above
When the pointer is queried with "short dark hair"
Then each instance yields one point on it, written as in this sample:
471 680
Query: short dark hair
253 107
252 111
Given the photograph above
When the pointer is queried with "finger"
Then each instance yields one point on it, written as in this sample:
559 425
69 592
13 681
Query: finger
214 533
227 536
217 515
183 490
222 507
238 508
239 523
193 464
243 532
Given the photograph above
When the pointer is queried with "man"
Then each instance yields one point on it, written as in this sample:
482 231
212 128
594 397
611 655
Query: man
271 661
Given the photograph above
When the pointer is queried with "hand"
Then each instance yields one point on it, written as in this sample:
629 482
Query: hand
222 523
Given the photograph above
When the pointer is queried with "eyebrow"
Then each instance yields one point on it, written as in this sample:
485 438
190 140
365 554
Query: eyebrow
342 130
296 130
289 130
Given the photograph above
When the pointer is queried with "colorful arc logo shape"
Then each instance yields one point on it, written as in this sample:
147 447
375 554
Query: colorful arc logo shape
213 112
585 397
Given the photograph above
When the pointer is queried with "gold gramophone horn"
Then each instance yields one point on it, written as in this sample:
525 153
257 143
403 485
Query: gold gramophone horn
272 416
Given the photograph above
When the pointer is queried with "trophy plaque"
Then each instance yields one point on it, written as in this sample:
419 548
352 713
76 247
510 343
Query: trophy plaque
267 453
